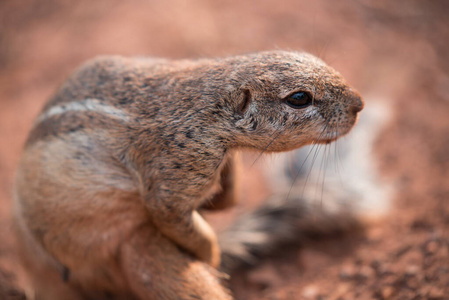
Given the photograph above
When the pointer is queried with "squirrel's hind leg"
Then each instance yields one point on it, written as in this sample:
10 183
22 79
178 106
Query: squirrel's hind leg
156 268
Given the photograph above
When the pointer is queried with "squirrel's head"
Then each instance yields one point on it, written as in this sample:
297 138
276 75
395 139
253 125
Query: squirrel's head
290 99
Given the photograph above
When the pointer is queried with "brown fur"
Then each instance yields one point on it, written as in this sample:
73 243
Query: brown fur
109 188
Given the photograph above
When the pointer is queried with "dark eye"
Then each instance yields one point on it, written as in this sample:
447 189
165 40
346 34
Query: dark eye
299 100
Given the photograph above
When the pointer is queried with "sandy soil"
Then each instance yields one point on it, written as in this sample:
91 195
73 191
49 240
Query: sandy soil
395 51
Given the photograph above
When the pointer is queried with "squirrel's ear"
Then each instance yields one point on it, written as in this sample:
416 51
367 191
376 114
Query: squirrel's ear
243 103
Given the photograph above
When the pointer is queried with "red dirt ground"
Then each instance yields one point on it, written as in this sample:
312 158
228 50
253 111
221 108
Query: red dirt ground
388 50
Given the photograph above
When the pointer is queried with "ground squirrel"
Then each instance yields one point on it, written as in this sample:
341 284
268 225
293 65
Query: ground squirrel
120 159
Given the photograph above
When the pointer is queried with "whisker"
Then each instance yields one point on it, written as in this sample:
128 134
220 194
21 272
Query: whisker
322 54
335 147
324 164
300 169
327 154
314 157
314 148
322 161
266 147
320 170
310 169
339 164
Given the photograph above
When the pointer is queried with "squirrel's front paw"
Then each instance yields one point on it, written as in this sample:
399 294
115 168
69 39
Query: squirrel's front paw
210 253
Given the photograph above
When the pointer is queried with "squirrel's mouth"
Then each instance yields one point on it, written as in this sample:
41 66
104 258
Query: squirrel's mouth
328 140
331 136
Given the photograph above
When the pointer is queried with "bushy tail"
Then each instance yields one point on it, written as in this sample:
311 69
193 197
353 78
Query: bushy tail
278 223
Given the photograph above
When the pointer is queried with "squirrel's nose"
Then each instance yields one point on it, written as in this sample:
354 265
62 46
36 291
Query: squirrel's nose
357 103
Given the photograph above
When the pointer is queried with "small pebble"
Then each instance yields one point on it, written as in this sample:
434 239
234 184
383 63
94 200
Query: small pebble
365 272
431 247
435 294
386 292
347 272
310 292
412 270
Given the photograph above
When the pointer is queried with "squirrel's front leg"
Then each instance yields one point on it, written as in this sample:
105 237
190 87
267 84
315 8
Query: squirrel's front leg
178 220
174 184
229 181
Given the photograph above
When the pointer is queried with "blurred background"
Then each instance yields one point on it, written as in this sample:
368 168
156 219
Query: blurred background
393 52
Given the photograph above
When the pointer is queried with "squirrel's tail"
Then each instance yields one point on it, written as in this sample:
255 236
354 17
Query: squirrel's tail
278 223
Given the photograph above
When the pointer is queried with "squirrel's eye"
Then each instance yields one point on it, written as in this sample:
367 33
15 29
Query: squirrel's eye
299 100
